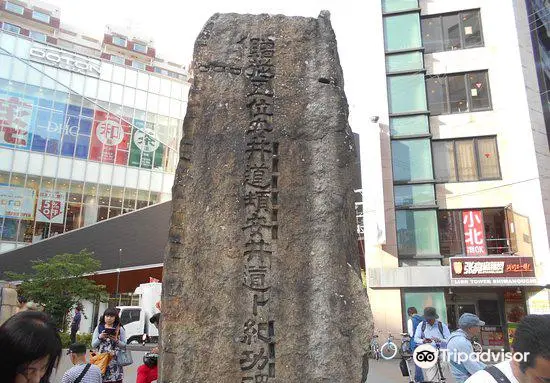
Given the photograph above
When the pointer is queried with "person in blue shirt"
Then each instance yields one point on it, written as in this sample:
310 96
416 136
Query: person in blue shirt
434 332
75 324
459 345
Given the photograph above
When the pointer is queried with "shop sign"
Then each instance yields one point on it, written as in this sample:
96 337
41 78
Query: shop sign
539 302
16 202
146 150
16 118
50 206
65 60
492 271
474 232
110 139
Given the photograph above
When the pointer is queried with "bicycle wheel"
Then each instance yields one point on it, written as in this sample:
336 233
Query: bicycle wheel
388 350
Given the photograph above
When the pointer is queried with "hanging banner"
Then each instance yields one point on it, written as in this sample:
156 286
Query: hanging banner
50 206
16 120
474 232
146 151
110 139
47 131
17 202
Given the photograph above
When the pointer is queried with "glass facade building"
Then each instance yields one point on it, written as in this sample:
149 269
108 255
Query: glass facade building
81 139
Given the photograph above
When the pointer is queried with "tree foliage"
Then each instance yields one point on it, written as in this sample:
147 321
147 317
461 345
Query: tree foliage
59 283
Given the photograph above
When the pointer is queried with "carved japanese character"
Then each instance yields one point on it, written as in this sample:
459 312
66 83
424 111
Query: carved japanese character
259 199
259 147
258 176
259 300
250 360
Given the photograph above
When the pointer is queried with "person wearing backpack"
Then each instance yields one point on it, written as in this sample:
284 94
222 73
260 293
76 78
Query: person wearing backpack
82 372
532 342
434 332
412 323
459 345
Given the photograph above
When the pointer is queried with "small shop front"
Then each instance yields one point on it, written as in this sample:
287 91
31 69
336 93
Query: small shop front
501 290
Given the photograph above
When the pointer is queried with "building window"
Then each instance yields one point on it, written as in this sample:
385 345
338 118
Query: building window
138 65
402 32
452 31
417 232
10 27
412 160
41 16
472 159
38 36
161 71
15 8
118 59
407 93
399 5
121 42
493 231
458 93
140 48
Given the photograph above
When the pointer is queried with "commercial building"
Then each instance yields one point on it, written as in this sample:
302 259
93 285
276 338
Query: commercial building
467 195
89 128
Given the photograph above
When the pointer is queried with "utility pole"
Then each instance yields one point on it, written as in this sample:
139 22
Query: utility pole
118 275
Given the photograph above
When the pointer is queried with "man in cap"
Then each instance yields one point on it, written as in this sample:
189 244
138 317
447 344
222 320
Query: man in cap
82 372
530 362
460 348
434 332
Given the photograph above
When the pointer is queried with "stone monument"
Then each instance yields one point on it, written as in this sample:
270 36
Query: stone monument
261 278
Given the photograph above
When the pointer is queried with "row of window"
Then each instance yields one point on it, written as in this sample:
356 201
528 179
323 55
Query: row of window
122 42
37 36
16 8
456 160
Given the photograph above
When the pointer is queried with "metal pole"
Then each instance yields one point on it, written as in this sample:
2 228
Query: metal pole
118 275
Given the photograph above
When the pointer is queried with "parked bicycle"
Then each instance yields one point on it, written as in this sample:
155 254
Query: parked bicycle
388 349
374 348
405 349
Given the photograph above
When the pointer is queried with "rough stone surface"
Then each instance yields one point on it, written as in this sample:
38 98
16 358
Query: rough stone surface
312 321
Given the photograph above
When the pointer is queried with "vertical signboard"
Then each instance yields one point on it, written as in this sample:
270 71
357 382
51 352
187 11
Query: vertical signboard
474 232
110 139
146 151
17 202
16 120
50 206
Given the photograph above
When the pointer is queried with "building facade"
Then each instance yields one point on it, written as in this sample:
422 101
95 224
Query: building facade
89 129
467 195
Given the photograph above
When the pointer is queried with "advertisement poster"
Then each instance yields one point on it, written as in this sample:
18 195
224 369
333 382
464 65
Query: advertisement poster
77 131
474 232
146 150
48 131
17 202
492 336
539 302
50 206
110 139
511 332
16 120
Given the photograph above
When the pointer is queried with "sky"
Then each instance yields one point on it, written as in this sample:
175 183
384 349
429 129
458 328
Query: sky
173 25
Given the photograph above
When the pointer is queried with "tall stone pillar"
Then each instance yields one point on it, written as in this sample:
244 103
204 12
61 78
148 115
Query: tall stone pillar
262 280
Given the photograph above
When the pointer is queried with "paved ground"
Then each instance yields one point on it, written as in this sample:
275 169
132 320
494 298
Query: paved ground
381 371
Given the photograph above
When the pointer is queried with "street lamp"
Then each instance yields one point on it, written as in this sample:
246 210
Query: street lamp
118 274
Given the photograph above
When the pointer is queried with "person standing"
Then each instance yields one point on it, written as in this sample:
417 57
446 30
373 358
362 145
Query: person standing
412 323
532 343
109 337
459 345
75 324
434 332
81 372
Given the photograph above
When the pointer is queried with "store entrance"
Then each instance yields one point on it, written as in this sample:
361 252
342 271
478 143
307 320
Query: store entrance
487 306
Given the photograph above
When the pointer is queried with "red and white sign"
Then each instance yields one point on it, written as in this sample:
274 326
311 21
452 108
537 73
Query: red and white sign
15 121
474 232
110 139
50 206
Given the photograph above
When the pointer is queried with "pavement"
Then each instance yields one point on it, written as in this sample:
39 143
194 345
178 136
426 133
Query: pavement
381 371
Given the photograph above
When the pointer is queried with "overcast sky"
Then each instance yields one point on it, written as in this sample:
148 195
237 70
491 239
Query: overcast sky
173 25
